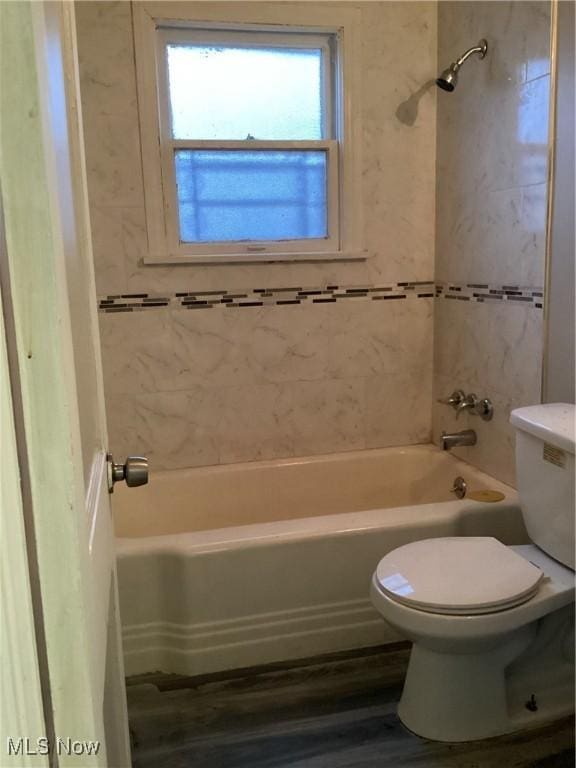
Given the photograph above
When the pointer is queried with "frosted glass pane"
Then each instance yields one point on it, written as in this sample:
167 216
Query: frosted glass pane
255 195
237 93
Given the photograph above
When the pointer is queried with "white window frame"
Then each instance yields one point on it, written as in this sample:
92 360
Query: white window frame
180 23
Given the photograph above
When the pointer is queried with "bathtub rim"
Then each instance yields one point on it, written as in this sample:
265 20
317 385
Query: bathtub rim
338 523
279 532
336 457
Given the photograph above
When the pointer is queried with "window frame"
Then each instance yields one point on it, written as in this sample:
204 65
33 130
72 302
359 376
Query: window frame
168 145
152 34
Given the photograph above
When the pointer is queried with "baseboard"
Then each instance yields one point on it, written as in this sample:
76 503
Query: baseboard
194 649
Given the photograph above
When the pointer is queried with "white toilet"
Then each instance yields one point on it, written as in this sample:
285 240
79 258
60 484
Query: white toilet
493 626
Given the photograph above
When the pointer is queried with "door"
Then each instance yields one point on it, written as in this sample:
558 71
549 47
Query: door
21 708
55 365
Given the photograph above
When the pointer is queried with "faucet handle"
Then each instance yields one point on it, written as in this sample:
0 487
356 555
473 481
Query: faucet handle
468 403
479 407
485 409
454 400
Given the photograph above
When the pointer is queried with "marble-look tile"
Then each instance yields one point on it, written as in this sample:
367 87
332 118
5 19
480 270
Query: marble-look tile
492 145
491 217
113 161
518 34
398 159
234 347
230 347
109 103
134 241
493 141
494 452
328 416
287 381
495 352
137 352
174 429
534 220
493 128
375 337
490 346
104 33
256 423
264 370
532 118
399 56
109 261
538 39
398 409
203 349
497 239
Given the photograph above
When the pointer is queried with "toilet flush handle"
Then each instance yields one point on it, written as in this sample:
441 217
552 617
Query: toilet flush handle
134 471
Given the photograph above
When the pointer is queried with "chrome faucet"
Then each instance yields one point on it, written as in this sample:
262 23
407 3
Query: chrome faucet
458 439
455 399
471 403
468 403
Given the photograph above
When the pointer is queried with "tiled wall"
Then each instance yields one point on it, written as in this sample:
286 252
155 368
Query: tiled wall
338 370
341 369
492 134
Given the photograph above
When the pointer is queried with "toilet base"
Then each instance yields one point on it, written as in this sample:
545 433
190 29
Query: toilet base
463 697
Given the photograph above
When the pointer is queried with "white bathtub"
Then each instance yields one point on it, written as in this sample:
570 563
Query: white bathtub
231 566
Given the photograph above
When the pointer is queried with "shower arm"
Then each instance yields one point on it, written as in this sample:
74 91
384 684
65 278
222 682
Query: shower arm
480 49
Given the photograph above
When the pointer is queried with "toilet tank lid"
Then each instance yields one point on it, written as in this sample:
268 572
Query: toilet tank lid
554 423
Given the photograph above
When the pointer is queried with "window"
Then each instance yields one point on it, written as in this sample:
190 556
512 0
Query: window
243 143
248 135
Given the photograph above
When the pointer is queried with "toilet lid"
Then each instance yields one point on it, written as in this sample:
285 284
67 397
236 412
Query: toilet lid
458 575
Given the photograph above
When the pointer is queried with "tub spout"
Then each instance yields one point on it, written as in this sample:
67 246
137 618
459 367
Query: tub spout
456 439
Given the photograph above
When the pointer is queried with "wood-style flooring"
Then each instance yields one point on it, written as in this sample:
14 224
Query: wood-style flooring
332 712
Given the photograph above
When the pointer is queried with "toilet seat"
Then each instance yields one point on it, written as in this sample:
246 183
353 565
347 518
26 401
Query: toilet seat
458 575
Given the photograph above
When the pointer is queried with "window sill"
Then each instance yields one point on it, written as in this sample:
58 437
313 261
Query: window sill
253 258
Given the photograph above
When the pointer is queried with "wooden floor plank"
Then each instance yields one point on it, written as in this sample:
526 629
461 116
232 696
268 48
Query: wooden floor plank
333 712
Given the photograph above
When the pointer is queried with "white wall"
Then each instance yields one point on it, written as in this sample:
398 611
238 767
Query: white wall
559 362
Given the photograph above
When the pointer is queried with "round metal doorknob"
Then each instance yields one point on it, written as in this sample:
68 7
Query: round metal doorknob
134 471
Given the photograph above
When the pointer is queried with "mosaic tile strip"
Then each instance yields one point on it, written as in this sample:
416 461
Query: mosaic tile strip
330 294
260 297
487 292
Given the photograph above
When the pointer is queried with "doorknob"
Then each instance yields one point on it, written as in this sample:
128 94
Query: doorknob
134 471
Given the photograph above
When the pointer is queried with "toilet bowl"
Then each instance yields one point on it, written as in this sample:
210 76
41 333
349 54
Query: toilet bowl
492 626
471 675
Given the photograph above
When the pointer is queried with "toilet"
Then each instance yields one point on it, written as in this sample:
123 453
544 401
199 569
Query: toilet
492 626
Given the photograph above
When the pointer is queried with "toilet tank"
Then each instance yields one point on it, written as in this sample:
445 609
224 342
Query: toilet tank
545 436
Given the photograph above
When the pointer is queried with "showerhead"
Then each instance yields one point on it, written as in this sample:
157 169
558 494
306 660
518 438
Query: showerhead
448 80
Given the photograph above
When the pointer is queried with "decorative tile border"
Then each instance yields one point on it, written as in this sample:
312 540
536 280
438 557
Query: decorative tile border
260 297
330 294
487 292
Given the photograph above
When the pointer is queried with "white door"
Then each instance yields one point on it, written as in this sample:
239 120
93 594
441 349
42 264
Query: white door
48 286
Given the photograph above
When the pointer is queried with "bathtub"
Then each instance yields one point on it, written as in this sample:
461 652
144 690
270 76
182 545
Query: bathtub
231 566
